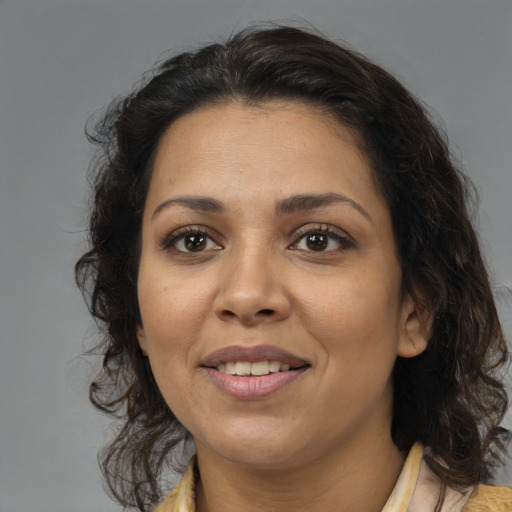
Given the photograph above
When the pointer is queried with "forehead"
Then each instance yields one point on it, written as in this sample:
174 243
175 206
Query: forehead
294 127
216 120
284 140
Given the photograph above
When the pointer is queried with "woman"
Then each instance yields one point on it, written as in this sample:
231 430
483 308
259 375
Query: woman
285 270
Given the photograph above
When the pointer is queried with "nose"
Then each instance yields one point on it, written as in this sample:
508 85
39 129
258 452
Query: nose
251 289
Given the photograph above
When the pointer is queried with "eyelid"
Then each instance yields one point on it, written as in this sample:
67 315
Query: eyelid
179 233
335 232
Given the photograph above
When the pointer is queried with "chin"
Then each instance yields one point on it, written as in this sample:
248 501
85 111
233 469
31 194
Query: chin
259 448
257 457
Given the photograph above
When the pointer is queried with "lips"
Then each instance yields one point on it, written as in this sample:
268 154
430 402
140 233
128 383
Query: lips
252 372
252 355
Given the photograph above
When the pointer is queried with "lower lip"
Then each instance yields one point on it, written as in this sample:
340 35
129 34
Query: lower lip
253 387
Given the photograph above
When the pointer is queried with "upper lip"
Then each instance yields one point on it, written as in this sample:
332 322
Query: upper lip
252 355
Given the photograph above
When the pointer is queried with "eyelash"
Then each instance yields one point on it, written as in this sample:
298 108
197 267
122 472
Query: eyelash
343 239
180 234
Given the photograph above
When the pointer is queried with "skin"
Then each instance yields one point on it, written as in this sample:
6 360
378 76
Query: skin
324 439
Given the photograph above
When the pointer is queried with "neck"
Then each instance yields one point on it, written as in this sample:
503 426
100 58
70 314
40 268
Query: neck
360 479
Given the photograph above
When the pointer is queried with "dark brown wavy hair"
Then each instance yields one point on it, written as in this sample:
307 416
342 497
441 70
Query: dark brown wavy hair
450 398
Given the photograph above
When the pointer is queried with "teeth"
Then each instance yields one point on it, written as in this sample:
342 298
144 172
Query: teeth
259 368
230 368
244 368
274 366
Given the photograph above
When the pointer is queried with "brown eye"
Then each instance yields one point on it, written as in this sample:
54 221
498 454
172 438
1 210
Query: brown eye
195 243
325 239
316 241
190 240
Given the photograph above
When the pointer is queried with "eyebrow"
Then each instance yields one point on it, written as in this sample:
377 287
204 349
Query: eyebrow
305 202
203 204
288 206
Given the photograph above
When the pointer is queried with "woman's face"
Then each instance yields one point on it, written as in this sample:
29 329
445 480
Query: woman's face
269 285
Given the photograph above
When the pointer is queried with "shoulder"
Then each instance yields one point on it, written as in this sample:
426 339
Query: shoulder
182 498
489 498
167 505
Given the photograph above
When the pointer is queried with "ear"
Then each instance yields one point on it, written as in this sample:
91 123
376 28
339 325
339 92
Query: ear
416 324
141 338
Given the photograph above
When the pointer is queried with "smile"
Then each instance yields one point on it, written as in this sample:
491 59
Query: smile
258 368
246 372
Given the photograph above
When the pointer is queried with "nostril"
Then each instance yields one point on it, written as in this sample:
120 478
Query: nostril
266 312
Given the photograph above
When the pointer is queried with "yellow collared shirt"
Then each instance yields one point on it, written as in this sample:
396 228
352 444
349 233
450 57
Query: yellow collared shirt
416 490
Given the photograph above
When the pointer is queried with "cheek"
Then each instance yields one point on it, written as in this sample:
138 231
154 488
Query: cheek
355 320
357 328
173 310
171 307
169 316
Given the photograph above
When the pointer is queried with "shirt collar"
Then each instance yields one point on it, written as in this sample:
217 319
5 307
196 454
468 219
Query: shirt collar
416 489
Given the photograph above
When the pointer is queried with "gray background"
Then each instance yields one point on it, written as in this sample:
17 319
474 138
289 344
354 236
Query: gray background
62 60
